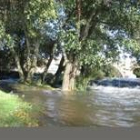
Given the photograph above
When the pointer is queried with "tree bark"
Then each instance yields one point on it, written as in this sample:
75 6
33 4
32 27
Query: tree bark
17 60
85 30
70 74
33 65
59 71
46 69
28 59
50 52
21 74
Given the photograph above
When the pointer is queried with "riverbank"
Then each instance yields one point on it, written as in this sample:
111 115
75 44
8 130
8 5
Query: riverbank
15 86
108 106
14 112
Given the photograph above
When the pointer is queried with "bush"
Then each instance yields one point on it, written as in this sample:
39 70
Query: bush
81 83
95 74
110 71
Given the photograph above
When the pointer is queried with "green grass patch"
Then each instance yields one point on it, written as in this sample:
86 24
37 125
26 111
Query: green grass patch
16 113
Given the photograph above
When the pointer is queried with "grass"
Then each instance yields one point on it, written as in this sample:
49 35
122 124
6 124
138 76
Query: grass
16 113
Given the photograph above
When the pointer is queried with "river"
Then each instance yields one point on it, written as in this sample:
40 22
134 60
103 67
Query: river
112 107
103 106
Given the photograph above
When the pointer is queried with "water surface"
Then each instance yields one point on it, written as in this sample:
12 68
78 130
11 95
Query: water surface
104 106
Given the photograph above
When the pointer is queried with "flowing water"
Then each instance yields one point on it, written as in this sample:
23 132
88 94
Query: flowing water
104 106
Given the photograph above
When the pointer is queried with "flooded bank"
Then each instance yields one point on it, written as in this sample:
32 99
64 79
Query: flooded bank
103 106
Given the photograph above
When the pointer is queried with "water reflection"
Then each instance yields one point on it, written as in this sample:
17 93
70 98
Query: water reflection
102 107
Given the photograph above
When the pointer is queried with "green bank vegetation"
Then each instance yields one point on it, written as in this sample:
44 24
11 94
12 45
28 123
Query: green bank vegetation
16 113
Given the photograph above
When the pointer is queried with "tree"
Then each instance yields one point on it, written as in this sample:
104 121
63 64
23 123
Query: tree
24 23
88 31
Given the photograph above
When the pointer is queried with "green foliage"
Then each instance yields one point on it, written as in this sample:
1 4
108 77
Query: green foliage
96 20
132 46
96 73
81 83
15 113
137 72
110 71
2 31
37 13
27 17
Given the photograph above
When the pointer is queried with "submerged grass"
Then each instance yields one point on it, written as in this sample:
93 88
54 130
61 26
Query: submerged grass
27 87
16 113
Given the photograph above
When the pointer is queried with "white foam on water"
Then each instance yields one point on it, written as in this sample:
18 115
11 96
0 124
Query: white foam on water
122 96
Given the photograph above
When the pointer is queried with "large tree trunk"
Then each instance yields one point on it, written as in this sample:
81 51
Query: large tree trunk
70 74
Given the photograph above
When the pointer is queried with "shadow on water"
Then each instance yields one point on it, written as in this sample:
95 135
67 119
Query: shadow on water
7 85
106 106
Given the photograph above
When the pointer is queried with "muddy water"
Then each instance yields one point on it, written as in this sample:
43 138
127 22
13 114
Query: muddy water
105 106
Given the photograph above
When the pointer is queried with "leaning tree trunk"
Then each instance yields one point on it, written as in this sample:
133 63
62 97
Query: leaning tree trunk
21 74
33 66
59 71
46 68
31 72
69 78
17 61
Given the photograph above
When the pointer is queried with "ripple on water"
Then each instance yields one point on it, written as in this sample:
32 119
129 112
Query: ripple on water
103 107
